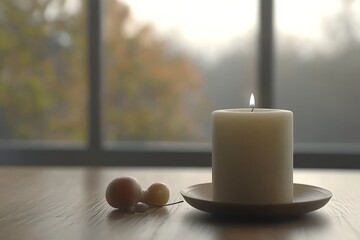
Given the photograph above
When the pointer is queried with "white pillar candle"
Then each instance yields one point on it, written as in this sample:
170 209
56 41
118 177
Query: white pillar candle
252 156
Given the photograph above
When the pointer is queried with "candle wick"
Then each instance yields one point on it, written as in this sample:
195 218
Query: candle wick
252 109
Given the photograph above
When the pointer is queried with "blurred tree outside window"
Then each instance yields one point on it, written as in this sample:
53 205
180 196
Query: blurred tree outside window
157 86
42 70
165 71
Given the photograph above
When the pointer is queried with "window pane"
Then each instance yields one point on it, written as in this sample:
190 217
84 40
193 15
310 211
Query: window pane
42 70
318 69
169 64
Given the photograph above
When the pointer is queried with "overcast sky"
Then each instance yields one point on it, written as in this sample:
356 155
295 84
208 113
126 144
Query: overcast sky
213 24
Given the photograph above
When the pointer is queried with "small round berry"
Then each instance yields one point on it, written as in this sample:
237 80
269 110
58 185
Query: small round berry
157 194
123 192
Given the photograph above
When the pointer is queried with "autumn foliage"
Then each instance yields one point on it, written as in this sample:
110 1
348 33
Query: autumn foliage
150 91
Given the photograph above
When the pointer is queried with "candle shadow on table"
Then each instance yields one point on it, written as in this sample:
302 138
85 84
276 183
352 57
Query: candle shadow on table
311 220
255 228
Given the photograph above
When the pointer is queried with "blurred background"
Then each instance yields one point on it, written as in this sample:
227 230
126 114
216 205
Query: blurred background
167 64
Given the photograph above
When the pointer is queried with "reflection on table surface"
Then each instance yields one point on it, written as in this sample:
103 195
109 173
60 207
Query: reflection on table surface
68 203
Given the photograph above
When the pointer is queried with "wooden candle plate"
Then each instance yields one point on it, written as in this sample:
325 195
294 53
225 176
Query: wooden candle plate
306 199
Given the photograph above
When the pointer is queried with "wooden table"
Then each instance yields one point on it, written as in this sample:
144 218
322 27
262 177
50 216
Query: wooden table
68 203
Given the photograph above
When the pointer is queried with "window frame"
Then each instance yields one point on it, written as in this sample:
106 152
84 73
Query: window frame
94 153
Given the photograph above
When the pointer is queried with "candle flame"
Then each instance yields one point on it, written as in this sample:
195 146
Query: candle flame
252 101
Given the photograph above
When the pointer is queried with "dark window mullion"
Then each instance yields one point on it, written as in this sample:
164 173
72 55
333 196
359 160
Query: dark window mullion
94 74
265 54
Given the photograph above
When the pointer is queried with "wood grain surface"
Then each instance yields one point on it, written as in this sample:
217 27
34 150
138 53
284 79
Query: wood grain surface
68 203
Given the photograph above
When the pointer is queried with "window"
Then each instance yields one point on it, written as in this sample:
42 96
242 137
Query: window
169 64
134 82
317 72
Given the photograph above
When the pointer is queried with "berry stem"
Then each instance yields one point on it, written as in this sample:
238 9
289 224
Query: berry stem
168 204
